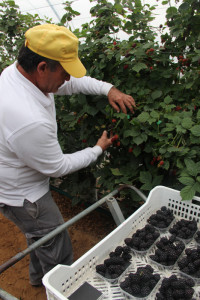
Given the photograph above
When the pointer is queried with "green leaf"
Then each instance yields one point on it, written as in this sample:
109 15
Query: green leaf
186 180
171 11
176 120
168 100
146 187
137 151
154 114
187 193
198 179
195 130
197 187
191 166
156 94
184 6
157 180
138 140
139 66
116 172
131 132
187 123
143 117
145 177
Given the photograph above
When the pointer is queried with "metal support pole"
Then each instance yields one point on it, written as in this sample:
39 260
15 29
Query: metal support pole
115 210
5 296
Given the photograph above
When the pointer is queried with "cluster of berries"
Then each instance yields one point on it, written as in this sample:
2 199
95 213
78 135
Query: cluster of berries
176 288
162 218
168 251
190 264
143 238
116 264
197 237
141 283
184 229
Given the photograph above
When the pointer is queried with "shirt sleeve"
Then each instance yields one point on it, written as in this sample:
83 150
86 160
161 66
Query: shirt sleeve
37 147
85 85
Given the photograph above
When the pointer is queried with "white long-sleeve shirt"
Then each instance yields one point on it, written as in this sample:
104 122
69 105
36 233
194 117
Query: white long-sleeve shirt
29 150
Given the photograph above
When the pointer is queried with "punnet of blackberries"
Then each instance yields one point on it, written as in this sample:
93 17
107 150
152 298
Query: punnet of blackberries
175 288
141 283
184 229
168 250
162 218
190 263
143 238
117 262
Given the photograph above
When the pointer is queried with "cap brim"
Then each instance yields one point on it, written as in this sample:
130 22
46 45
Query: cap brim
75 68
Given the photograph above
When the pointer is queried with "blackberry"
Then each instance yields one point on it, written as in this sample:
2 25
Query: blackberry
111 254
134 278
136 290
189 293
128 242
145 291
149 268
126 249
101 268
128 290
197 263
118 251
126 256
124 284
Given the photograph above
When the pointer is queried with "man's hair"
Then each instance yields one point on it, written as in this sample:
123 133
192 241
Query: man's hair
29 60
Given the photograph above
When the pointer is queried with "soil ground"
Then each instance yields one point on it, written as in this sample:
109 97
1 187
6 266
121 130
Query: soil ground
84 234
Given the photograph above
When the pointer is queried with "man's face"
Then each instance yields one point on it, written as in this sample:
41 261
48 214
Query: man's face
52 80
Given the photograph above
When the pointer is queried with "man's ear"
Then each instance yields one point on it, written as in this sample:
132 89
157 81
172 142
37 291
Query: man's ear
42 67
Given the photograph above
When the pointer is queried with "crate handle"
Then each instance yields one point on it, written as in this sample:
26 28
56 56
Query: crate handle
196 202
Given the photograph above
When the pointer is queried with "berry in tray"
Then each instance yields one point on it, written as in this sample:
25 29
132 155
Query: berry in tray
162 218
114 266
175 288
168 250
184 229
143 238
190 263
141 283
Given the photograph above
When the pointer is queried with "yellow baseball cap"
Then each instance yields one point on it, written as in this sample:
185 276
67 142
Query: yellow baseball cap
57 43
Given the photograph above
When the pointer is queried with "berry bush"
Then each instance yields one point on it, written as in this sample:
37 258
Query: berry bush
159 143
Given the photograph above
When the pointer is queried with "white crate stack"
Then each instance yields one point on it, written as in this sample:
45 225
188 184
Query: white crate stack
63 280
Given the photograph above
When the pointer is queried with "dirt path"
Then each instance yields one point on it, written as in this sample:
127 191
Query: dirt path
84 235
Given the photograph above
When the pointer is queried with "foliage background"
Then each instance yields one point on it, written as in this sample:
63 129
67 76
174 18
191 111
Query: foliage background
159 144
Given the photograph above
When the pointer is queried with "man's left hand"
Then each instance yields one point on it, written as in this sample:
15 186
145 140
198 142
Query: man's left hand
119 100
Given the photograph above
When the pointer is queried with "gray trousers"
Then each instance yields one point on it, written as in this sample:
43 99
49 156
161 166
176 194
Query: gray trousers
35 220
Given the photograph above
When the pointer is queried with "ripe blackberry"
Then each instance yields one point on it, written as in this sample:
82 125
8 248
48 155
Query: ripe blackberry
126 256
149 268
136 290
145 291
128 242
128 290
126 249
111 254
118 251
101 268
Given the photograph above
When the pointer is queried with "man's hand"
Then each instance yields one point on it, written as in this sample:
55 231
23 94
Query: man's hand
119 100
104 142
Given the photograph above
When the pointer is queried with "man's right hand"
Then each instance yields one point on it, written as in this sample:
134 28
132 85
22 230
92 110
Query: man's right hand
104 142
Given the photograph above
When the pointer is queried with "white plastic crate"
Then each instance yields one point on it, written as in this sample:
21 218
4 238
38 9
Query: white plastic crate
63 280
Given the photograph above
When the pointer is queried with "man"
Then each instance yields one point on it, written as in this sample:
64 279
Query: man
30 154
